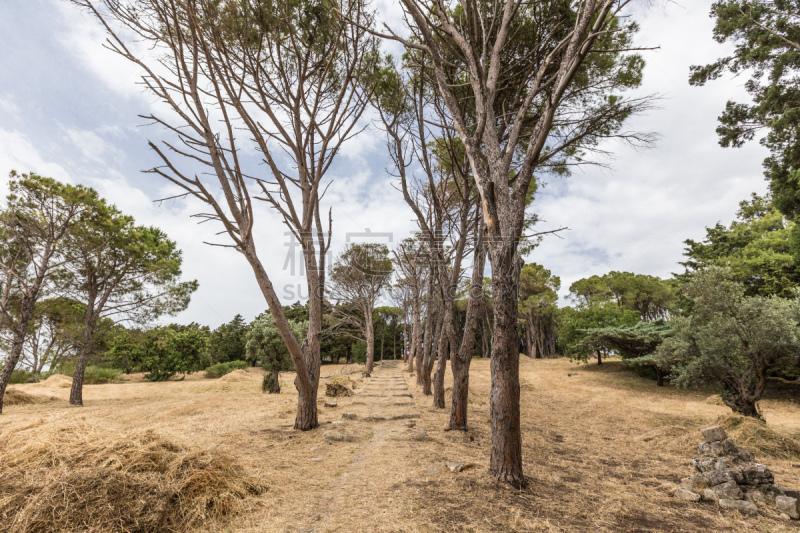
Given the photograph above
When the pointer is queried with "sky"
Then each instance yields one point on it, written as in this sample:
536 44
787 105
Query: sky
70 109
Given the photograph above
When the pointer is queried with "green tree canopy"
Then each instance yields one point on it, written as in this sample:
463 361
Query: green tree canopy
163 352
766 35
227 342
730 340
120 271
575 323
360 275
757 247
650 296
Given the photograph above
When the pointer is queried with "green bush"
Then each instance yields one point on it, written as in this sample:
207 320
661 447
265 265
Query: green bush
360 352
220 369
22 376
97 375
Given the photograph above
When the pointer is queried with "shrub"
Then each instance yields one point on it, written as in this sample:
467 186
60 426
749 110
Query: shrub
97 375
270 384
220 369
360 352
22 376
94 375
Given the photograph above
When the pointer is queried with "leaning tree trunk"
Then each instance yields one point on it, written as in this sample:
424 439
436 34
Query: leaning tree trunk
505 463
462 360
742 395
12 360
306 357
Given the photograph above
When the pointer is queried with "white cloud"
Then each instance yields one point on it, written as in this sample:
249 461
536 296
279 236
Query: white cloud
91 145
636 216
632 217
20 154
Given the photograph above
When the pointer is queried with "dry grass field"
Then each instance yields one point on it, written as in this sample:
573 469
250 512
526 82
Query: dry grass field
601 448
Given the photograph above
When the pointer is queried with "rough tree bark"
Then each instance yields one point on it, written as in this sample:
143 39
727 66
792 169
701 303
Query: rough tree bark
462 360
506 458
430 353
370 339
84 351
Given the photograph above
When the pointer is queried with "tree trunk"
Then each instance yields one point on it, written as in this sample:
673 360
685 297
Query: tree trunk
307 388
370 336
441 366
76 392
462 360
743 396
740 404
529 338
11 362
428 337
505 463
383 334
409 346
276 382
659 376
430 356
306 357
418 350
599 357
394 346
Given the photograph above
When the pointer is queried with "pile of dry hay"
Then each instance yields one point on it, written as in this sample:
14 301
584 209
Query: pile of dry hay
57 381
57 477
18 397
236 376
756 436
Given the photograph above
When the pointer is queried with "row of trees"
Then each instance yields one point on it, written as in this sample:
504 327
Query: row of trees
486 96
71 266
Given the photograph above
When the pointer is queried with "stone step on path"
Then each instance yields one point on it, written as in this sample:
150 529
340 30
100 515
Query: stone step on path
383 400
366 442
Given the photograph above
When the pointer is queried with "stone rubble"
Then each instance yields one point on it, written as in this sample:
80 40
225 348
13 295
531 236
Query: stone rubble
730 476
456 467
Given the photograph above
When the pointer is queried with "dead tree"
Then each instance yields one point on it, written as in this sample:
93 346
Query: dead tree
286 80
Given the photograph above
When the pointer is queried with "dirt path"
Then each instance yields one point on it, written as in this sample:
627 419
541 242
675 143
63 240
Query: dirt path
369 449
